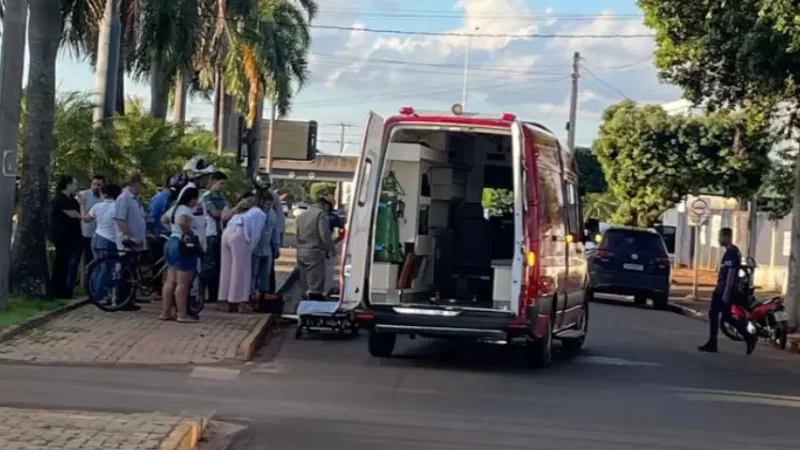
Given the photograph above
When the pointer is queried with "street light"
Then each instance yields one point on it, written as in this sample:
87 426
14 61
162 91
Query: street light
466 70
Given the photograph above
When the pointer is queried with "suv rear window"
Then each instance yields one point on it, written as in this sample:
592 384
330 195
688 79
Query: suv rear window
633 241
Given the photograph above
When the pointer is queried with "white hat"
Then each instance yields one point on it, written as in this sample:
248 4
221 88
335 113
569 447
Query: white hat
197 166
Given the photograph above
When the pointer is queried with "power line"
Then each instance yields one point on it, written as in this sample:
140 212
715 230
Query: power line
483 35
345 60
600 80
417 95
442 89
421 91
448 14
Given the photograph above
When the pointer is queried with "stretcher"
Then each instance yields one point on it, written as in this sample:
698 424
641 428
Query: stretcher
317 312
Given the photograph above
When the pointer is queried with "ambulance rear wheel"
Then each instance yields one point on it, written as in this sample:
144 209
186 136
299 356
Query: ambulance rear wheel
381 345
540 351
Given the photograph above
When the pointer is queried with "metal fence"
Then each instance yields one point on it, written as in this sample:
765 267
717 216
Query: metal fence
772 244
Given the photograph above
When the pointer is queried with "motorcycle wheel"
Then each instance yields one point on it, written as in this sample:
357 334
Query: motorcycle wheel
729 330
781 334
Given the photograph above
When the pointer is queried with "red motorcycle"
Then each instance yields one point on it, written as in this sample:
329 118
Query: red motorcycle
766 319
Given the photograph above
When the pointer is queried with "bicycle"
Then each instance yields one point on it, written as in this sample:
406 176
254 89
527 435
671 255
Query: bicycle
120 292
127 279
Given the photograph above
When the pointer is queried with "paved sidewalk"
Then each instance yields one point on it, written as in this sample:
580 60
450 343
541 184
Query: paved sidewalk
32 429
88 335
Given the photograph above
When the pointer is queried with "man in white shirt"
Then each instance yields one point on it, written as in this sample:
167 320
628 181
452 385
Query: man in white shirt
87 199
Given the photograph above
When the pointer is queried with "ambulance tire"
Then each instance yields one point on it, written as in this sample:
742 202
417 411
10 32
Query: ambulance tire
540 351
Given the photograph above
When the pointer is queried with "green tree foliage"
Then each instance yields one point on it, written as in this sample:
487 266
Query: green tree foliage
294 190
592 178
733 54
653 160
497 201
135 141
315 188
601 206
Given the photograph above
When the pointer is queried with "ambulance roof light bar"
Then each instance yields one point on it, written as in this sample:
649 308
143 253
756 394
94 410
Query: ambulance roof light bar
407 111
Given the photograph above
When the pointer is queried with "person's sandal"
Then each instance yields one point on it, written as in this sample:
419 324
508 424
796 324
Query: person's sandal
167 319
186 320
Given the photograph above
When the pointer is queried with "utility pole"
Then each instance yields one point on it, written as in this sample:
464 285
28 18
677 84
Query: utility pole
12 58
573 100
465 86
752 222
341 152
270 136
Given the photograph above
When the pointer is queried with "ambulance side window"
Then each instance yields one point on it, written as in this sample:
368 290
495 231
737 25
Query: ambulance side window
363 187
573 209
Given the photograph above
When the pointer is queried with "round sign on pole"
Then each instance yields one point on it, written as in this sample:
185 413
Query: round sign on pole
699 207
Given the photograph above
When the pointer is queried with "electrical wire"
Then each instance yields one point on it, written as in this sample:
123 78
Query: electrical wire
429 91
604 83
482 35
456 14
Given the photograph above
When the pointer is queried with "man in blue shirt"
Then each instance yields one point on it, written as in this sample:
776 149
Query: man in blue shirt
725 292
158 206
156 209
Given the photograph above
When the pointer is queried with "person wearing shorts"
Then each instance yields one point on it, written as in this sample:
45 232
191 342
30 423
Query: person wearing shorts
181 265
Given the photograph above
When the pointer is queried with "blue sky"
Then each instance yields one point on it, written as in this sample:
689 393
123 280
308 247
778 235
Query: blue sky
356 71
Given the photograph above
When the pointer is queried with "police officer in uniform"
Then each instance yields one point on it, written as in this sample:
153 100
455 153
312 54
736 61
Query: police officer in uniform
725 292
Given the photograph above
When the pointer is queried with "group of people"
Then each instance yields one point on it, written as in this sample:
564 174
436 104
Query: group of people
90 223
213 251
216 251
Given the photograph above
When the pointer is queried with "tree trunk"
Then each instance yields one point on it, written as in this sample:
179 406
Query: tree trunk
228 125
107 71
159 90
793 293
29 269
181 91
218 89
12 58
255 141
120 107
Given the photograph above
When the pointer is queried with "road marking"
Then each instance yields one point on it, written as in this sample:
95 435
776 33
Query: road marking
764 401
215 373
271 368
608 361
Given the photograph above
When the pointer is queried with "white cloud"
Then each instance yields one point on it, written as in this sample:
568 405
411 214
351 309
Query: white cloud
516 73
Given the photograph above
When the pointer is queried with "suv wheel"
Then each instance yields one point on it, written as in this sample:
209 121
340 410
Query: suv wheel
661 302
640 300
381 345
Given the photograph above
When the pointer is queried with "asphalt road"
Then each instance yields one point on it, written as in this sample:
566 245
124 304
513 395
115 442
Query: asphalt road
640 384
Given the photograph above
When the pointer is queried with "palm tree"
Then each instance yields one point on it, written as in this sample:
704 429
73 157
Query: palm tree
30 269
265 46
108 59
14 15
166 46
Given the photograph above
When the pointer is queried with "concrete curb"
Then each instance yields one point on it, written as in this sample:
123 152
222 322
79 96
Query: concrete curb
252 342
40 319
687 312
186 435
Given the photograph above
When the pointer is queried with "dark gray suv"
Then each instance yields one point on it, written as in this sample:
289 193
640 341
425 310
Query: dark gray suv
631 261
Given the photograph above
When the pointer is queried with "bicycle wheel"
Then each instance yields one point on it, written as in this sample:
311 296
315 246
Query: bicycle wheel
194 305
112 283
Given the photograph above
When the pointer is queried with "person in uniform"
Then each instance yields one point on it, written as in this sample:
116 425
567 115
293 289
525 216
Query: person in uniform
725 292
315 243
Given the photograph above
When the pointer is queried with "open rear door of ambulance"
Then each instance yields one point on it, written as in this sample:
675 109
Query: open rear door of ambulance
356 260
